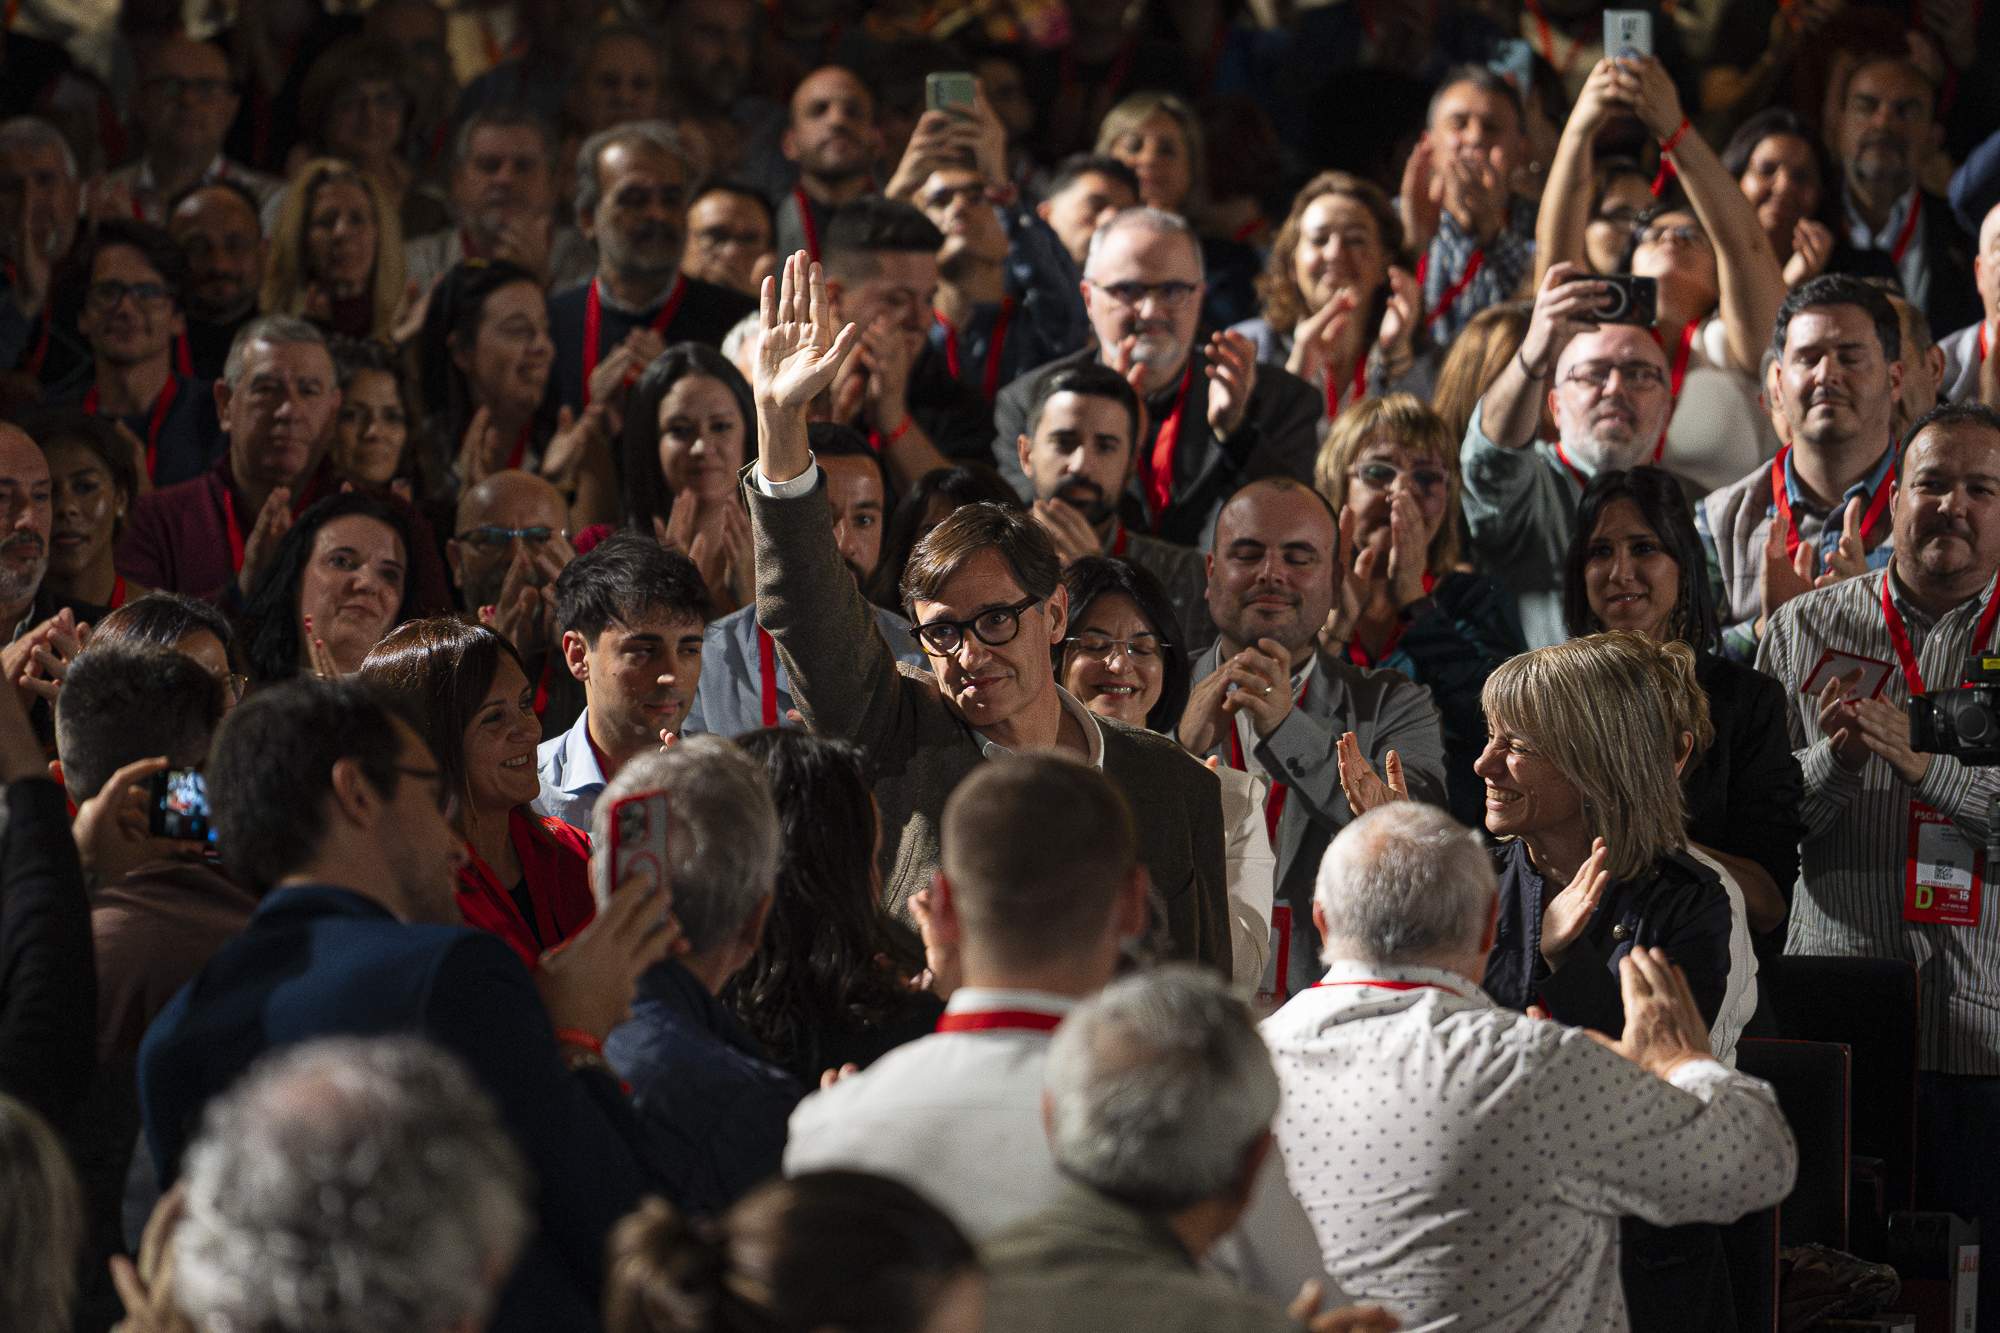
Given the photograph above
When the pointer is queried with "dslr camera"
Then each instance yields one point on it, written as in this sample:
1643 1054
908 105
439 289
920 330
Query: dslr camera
1963 722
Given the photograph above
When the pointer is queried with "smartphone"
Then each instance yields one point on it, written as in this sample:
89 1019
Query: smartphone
1628 33
949 92
1514 61
1631 300
180 806
639 839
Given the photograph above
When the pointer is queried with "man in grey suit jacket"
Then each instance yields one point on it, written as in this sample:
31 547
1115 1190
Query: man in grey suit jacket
1269 701
743 684
983 589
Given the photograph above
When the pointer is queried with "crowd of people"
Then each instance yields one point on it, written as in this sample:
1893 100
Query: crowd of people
704 665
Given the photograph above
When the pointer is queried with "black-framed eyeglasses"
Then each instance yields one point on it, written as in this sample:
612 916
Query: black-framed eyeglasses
1682 233
993 627
1144 647
1636 374
489 534
1170 294
107 294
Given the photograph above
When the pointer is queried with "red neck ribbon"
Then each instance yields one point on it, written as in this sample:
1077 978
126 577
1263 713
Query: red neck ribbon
92 406
1781 499
990 379
996 1020
593 320
1899 636
1160 467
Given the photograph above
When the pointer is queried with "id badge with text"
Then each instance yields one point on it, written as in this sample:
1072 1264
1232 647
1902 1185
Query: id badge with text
1943 880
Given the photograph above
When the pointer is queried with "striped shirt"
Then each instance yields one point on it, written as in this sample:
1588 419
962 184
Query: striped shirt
1852 861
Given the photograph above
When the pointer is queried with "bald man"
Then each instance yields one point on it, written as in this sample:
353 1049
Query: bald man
509 541
1965 350
832 140
1268 700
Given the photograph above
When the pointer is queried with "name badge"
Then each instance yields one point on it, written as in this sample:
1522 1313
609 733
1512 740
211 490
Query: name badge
1942 882
1274 989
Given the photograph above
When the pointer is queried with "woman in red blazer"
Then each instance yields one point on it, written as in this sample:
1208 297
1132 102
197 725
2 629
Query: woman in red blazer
525 878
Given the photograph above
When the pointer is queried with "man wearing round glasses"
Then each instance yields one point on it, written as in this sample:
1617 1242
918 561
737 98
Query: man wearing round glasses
1607 388
983 592
1214 418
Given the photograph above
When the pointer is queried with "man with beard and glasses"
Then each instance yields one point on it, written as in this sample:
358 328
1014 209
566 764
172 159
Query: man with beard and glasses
1890 864
357 933
509 544
1214 418
217 227
1820 510
1077 454
832 140
1611 400
633 185
1270 701
743 684
1891 225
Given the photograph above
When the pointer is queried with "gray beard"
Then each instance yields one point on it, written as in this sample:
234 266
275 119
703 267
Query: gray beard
16 589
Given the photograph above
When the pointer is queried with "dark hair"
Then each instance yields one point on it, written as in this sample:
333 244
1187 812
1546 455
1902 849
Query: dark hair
647 495
59 426
1841 289
829 954
124 702
356 356
737 188
1097 576
153 243
824 1249
1091 380
345 65
437 671
623 579
868 226
163 619
1948 414
1091 164
1487 81
457 305
1021 542
961 484
503 116
831 439
1774 121
270 614
271 770
1662 506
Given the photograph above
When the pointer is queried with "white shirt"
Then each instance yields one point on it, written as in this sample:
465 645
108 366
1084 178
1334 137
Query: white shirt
1739 995
1466 1166
1252 869
957 1116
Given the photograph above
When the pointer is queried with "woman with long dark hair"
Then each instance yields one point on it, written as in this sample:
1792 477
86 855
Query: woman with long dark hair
338 581
829 985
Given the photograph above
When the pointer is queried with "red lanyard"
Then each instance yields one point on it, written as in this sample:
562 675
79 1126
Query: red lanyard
40 354
117 594
161 406
1120 538
1453 292
1982 340
767 671
1360 387
990 381
806 223
1909 227
1681 355
542 685
520 449
593 319
1274 804
1160 476
1781 499
1359 655
1548 41
996 1020
1387 985
235 529
1899 636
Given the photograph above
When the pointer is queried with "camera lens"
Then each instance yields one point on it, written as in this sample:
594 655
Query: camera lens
1974 722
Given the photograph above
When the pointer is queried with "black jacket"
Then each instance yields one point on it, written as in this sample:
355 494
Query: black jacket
1743 797
1677 905
48 978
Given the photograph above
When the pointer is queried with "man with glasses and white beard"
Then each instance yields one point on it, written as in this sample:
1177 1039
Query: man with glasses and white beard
1215 418
1607 387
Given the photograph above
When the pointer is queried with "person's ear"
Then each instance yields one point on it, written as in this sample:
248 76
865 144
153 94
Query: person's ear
354 796
576 655
454 559
223 393
1022 447
461 353
1319 923
1136 904
788 144
1683 751
944 910
1895 380
752 934
1935 364
1058 614
1043 209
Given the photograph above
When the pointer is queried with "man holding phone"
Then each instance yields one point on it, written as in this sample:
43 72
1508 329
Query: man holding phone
1607 386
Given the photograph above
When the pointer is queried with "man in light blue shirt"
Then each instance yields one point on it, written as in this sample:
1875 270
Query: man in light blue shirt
632 615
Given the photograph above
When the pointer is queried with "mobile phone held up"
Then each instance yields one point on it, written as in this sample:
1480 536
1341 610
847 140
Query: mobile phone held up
180 806
639 839
1629 300
1628 33
953 91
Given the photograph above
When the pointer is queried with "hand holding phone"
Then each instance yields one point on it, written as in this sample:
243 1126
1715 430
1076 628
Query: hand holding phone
180 806
1628 34
639 827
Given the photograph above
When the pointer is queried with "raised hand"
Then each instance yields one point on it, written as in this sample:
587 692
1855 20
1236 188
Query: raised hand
1401 317
274 520
1565 305
1071 532
1850 556
320 659
1262 675
801 352
1317 340
1409 554
1204 720
1838 723
586 981
1419 196
941 957
113 829
1812 246
1359 783
1565 916
61 637
1232 378
1786 574
1663 1027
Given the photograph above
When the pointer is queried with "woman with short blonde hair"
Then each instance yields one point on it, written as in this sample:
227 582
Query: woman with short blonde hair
1389 468
1159 136
336 252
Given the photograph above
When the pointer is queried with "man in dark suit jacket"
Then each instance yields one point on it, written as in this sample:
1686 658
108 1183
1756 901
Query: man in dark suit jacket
1890 226
356 935
983 590
1214 417
1271 701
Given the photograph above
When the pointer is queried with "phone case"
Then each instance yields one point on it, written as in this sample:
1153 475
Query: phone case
639 839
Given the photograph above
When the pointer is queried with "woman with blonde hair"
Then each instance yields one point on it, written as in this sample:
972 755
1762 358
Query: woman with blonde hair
1389 468
336 253
1339 309
41 1224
